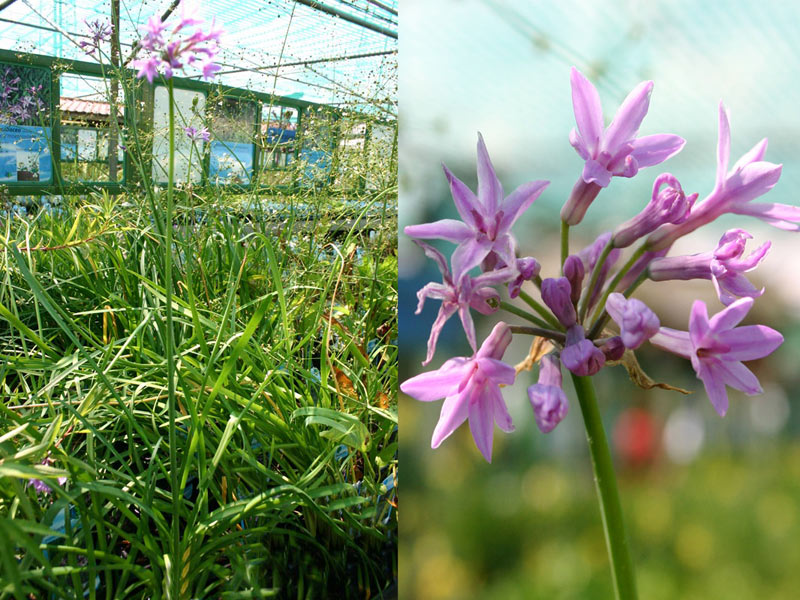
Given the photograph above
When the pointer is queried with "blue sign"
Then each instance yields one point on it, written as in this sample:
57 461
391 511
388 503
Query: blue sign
317 165
280 135
25 154
231 162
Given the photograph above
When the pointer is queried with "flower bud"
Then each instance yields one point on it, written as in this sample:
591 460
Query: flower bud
574 271
667 205
580 355
636 321
527 269
556 294
550 404
614 348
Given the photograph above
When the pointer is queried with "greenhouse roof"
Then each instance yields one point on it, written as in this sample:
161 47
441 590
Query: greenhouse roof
328 51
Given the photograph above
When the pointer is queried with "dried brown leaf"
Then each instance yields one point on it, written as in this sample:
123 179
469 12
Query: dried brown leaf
639 377
539 348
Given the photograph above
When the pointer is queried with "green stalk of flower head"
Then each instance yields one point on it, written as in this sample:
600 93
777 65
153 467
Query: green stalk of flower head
605 481
169 356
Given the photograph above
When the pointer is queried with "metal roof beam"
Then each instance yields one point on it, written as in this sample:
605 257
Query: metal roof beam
6 4
388 9
307 62
336 12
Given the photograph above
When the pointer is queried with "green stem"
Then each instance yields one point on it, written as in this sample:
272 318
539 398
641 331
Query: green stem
639 281
606 484
524 315
169 354
564 242
598 267
622 272
600 316
538 331
542 310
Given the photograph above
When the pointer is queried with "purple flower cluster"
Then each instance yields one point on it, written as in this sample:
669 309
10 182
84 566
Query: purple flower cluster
197 135
17 104
594 285
99 32
40 486
170 50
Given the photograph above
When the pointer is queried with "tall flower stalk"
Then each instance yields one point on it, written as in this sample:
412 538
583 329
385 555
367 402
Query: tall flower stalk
585 309
172 401
167 53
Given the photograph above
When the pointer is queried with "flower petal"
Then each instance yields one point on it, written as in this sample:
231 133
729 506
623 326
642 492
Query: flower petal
737 376
497 371
629 117
588 110
435 385
490 191
437 291
674 341
782 216
518 202
594 172
463 197
576 141
733 286
698 323
723 146
445 229
480 300
504 253
715 388
583 358
755 154
750 342
494 277
495 345
446 310
468 325
614 306
733 260
481 422
729 317
435 256
454 413
652 150
501 416
752 181
469 254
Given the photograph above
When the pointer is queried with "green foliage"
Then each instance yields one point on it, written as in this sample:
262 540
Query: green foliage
285 337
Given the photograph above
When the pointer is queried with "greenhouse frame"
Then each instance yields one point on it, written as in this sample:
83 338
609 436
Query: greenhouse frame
315 135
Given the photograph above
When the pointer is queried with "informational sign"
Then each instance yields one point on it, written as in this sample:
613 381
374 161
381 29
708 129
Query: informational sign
317 165
316 155
25 154
69 144
87 144
189 112
231 162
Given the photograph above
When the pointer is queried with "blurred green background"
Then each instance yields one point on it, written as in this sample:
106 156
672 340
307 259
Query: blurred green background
712 505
